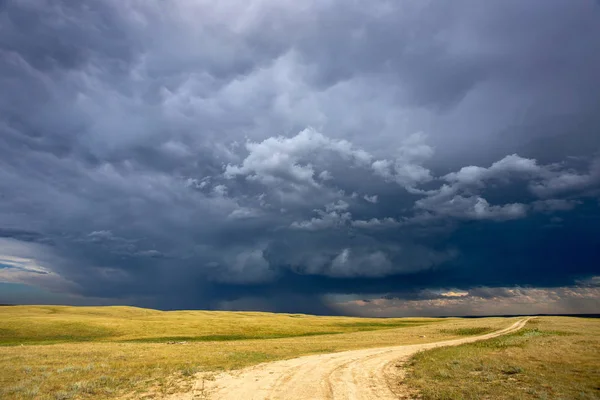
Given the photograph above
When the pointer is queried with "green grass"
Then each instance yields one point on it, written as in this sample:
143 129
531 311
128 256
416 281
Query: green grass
552 358
468 331
380 325
224 338
52 352
50 332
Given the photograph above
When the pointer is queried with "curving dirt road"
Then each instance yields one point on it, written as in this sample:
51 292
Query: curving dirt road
356 374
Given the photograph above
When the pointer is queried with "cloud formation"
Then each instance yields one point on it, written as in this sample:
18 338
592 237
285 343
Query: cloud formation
482 301
269 154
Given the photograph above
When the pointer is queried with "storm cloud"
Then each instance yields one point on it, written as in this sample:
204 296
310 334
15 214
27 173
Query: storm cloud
301 156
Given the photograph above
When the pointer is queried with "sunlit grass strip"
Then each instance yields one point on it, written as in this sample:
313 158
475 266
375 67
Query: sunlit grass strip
59 324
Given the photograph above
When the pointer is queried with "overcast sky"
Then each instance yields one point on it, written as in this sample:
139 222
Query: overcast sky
374 157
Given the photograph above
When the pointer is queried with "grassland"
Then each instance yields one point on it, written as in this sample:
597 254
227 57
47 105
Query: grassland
552 358
29 325
51 352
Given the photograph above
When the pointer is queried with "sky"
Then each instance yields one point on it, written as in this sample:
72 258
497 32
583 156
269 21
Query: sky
373 158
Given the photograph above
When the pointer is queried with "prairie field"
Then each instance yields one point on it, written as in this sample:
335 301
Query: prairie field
59 352
551 358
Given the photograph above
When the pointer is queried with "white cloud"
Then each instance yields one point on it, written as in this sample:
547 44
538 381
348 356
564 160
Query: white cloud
453 293
544 180
23 264
481 301
243 213
101 235
371 199
198 184
333 217
279 160
350 263
472 207
503 169
220 190
375 223
325 175
345 263
368 261
243 266
32 264
340 205
406 169
557 182
460 197
383 168
294 161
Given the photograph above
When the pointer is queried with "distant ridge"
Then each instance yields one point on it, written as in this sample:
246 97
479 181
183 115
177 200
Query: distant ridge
526 315
374 317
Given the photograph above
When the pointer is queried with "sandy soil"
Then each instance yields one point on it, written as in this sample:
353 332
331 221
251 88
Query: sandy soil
367 374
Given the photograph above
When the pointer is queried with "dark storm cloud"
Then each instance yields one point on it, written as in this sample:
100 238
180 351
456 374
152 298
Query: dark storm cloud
268 155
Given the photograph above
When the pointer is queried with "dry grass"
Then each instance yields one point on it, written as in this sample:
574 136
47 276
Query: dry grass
59 324
551 358
106 352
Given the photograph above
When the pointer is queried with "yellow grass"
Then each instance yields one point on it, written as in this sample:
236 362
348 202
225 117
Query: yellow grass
51 352
552 358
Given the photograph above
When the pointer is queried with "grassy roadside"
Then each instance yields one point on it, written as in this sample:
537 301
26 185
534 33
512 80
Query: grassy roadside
551 358
106 352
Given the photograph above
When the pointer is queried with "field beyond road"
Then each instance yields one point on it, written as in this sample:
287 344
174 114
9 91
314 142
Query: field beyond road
552 358
54 352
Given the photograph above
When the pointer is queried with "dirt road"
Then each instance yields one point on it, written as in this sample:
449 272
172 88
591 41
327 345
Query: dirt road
357 374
